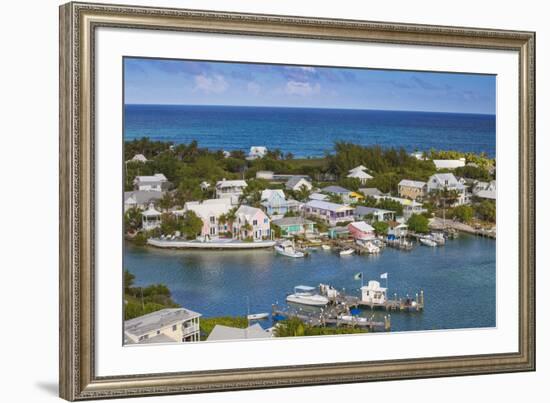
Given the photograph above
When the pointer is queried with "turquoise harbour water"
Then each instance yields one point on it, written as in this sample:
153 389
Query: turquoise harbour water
458 279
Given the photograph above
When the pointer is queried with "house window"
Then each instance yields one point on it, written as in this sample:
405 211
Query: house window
255 222
174 328
213 231
265 220
212 220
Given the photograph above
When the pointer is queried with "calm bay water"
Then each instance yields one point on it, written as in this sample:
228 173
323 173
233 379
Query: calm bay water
458 279
309 132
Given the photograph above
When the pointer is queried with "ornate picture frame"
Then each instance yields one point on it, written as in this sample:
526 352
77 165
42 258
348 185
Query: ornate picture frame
78 24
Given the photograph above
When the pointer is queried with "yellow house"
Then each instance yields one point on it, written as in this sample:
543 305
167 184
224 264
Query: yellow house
413 190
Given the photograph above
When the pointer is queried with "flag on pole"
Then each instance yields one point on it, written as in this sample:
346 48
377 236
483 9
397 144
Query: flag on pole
358 276
384 275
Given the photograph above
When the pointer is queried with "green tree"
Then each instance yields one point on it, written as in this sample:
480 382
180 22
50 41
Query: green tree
132 219
380 227
303 193
486 210
463 213
191 225
418 223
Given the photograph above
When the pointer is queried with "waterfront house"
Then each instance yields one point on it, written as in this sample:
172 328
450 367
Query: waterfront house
222 332
150 218
230 189
397 230
361 230
338 233
274 202
332 213
141 199
252 223
291 226
375 214
449 164
360 174
156 182
170 325
256 152
209 211
373 294
413 190
297 182
410 207
447 181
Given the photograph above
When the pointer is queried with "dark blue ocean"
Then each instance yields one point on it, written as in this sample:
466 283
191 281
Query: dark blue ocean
308 131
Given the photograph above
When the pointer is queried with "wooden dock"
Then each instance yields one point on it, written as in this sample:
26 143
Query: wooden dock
333 316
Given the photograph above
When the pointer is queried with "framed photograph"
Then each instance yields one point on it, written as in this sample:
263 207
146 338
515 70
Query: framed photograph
256 201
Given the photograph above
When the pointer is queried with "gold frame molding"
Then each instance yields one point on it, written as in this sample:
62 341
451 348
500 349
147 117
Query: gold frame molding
78 22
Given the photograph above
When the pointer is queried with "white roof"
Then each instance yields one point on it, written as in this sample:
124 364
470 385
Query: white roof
232 183
318 196
153 178
208 208
487 194
411 183
362 226
449 164
446 179
269 193
221 332
327 205
151 212
139 158
359 174
248 212
358 168
373 285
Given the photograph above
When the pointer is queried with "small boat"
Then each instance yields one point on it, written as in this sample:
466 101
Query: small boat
438 238
257 316
286 248
427 242
305 295
347 252
369 246
325 247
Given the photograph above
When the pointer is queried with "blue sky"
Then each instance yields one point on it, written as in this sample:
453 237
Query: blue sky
159 81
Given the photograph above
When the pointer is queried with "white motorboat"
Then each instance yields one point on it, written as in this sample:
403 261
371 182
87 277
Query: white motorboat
438 238
286 248
325 247
305 295
369 246
257 316
346 252
428 242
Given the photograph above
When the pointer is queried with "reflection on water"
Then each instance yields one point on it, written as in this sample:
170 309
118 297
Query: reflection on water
458 279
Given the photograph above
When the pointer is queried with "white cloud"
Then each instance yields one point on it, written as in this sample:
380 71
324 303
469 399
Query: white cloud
210 84
302 88
253 88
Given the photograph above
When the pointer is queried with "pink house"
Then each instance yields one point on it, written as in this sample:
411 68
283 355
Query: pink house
209 211
251 222
361 230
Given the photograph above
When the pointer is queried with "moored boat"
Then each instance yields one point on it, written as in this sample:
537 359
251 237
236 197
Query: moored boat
286 248
346 252
427 242
325 247
257 316
305 295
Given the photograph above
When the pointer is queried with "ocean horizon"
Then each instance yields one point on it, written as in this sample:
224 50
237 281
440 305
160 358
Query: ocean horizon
309 132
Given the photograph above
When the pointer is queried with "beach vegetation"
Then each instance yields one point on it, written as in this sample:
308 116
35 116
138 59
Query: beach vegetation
486 210
294 327
463 213
140 301
191 225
